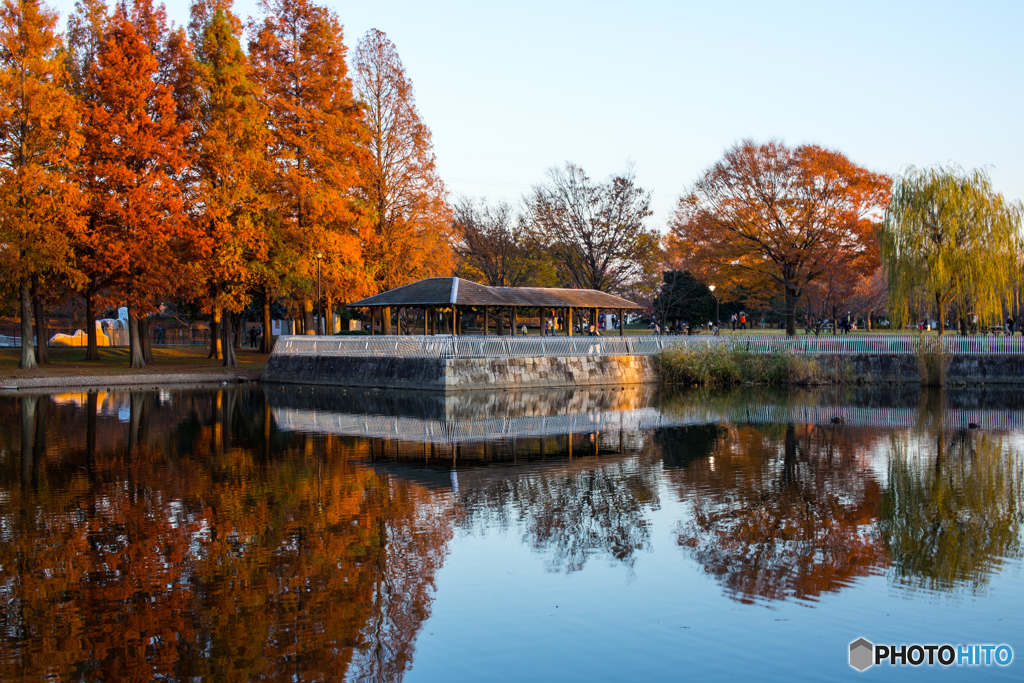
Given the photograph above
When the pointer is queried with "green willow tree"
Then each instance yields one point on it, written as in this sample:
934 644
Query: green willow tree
951 242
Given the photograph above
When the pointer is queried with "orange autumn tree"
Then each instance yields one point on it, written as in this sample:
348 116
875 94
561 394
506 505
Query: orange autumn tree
412 223
39 202
317 145
230 165
86 34
768 214
135 159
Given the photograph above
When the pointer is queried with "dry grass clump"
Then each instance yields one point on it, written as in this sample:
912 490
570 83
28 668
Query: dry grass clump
724 365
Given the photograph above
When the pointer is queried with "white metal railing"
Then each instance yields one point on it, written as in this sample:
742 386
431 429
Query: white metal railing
447 346
637 419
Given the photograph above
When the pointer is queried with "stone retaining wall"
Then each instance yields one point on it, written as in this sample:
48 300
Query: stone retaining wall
462 374
457 374
906 369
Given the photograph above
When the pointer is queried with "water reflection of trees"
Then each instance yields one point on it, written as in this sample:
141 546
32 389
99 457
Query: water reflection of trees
570 512
193 540
778 512
953 508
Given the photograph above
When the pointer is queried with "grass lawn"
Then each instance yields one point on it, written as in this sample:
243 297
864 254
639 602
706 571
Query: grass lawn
114 361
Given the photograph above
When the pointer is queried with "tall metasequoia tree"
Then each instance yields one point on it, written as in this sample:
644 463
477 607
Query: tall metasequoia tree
317 144
86 31
134 147
230 166
951 242
39 203
411 236
770 214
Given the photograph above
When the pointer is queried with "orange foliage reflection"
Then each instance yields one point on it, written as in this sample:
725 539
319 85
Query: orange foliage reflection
247 555
782 518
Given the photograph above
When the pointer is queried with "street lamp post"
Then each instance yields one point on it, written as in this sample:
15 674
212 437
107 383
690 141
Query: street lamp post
319 305
718 322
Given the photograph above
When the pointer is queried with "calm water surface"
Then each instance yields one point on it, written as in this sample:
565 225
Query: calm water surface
286 534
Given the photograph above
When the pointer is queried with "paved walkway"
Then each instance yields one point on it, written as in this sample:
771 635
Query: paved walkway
150 379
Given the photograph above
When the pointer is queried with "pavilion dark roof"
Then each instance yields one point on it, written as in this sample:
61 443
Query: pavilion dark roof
445 291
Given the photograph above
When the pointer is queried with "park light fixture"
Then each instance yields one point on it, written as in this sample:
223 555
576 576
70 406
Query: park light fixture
718 322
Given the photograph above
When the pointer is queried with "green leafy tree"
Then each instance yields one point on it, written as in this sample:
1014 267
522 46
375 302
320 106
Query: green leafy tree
949 242
681 296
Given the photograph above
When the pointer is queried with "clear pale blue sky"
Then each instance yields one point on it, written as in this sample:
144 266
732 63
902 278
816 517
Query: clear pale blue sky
511 89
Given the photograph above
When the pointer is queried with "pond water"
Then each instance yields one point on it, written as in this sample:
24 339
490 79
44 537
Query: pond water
251 533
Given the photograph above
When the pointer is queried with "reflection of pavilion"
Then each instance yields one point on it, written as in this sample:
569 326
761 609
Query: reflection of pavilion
617 415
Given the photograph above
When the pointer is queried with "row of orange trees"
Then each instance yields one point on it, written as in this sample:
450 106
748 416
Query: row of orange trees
140 161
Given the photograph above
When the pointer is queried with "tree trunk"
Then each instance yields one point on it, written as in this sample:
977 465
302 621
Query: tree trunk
267 343
144 340
237 326
137 358
92 351
215 347
90 431
28 416
307 317
39 452
791 298
28 354
939 314
229 349
42 353
329 315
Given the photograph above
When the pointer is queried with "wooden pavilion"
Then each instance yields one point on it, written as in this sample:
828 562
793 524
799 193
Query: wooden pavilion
447 299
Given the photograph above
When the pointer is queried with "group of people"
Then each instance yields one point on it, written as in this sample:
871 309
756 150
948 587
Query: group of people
548 329
739 319
684 328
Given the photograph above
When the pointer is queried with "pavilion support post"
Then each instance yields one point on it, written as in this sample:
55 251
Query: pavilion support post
398 320
385 320
373 312
594 319
426 324
622 324
487 318
543 328
515 323
568 321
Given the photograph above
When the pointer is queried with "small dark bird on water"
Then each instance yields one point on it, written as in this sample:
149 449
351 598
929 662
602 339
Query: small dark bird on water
973 425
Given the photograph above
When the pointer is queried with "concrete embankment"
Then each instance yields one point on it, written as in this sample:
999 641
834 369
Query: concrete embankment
452 374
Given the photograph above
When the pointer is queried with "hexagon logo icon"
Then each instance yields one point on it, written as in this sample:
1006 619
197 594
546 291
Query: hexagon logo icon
861 654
